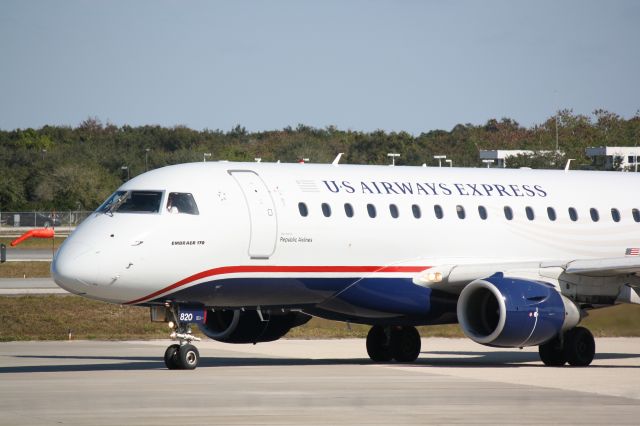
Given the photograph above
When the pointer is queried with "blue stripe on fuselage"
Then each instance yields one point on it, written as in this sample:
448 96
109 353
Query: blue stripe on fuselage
364 297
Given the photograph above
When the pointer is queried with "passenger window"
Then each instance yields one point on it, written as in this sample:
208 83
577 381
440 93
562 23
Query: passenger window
326 209
182 202
302 208
551 213
615 215
371 209
529 211
636 215
508 213
348 209
595 216
573 214
460 212
482 211
438 211
393 209
416 211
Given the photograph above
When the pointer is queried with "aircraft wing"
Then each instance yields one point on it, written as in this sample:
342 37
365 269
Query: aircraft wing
453 278
604 267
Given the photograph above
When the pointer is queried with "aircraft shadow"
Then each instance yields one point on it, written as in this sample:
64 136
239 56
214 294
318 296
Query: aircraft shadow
509 359
503 359
120 363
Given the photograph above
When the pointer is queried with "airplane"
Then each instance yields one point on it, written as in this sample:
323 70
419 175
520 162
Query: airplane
248 251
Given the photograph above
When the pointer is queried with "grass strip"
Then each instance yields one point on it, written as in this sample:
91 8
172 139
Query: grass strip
51 317
25 270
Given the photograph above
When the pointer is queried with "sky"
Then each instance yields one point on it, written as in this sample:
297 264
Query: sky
410 66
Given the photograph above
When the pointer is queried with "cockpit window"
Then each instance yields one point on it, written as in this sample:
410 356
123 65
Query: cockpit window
182 202
132 202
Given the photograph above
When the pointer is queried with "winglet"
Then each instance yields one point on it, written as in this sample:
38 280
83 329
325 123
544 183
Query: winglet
337 159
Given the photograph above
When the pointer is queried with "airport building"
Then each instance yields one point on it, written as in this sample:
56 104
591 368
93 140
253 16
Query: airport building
615 157
500 156
607 157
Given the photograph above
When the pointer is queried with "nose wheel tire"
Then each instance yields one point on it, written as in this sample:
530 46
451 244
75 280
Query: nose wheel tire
171 357
189 357
185 357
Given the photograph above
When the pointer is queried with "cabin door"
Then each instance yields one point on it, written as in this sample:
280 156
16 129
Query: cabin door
262 213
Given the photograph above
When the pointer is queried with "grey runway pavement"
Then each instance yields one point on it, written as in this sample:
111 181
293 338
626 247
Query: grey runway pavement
25 255
312 382
20 286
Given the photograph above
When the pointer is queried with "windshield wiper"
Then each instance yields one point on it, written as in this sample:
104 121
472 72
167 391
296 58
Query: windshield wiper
116 204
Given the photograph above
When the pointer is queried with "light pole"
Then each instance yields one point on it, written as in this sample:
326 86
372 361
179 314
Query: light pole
393 156
44 151
450 162
557 132
146 159
127 169
439 158
557 102
205 155
488 163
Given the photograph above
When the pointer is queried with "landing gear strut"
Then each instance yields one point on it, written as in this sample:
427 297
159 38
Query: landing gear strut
182 356
577 347
399 343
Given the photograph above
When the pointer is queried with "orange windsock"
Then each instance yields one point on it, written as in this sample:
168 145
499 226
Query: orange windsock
34 233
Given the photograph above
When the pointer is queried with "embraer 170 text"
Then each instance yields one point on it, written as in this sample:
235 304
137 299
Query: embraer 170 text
248 251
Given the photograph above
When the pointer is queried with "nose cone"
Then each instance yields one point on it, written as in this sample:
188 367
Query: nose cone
68 269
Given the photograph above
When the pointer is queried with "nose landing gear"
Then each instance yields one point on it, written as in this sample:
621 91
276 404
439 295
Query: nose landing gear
182 356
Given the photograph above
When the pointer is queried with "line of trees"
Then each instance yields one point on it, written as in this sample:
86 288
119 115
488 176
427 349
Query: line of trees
65 168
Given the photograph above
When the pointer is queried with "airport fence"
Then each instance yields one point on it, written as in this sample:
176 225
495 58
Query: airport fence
15 222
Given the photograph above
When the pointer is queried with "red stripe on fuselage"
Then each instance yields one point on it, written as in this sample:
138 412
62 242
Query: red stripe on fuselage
301 269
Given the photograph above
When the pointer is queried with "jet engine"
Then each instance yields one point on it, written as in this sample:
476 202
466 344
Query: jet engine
235 326
513 312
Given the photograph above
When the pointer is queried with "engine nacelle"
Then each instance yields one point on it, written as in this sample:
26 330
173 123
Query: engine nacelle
234 326
514 312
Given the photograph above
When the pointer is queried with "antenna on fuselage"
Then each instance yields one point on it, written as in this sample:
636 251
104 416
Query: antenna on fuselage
337 159
566 168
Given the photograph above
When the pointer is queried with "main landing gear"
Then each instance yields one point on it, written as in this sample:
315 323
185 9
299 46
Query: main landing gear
576 347
399 343
182 356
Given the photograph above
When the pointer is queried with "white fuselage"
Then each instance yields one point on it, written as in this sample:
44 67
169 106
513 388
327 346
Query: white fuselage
250 224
